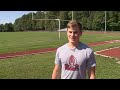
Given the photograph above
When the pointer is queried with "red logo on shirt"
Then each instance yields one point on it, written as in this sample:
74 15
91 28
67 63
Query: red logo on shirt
72 64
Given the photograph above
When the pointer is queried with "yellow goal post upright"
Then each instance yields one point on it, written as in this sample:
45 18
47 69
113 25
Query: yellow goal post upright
57 19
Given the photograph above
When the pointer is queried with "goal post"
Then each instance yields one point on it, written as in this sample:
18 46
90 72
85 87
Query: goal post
56 19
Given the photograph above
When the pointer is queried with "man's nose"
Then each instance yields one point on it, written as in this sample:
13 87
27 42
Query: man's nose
72 34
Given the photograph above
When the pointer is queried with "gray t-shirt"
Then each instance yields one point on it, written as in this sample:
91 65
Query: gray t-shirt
75 62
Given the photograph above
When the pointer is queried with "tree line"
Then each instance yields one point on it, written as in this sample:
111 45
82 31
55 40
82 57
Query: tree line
91 20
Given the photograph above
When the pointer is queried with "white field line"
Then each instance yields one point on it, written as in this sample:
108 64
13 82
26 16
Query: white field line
105 55
111 41
107 49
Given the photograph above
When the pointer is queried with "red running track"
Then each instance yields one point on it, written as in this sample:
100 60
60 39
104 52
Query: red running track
40 51
113 52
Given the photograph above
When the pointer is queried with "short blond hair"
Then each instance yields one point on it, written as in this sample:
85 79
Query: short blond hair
74 23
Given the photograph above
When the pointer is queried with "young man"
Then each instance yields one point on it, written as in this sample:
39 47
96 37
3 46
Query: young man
74 58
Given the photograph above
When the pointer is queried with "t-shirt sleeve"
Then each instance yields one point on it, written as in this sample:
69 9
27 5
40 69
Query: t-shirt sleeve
91 62
57 59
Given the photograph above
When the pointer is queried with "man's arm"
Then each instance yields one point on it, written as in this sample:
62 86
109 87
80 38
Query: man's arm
91 73
56 72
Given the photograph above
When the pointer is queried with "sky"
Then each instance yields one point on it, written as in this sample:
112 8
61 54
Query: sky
11 16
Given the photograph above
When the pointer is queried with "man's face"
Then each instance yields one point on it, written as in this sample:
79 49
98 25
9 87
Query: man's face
73 34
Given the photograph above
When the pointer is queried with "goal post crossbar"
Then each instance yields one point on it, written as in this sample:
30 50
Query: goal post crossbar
50 19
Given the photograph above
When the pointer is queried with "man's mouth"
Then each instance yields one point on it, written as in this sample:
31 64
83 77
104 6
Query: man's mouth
73 38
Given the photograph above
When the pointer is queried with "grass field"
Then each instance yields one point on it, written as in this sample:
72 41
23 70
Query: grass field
21 41
40 66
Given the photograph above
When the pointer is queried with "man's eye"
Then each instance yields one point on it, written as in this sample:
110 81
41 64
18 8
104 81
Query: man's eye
75 32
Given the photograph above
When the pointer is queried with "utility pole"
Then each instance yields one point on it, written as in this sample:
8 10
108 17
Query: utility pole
72 15
32 15
45 20
105 21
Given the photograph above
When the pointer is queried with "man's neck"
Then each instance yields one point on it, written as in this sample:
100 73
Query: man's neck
72 45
